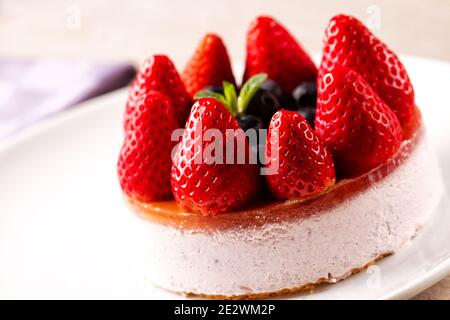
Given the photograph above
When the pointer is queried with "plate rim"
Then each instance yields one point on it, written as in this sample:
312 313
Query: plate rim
421 283
57 119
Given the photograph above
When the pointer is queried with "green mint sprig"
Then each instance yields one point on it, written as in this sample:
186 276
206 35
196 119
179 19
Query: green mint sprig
236 104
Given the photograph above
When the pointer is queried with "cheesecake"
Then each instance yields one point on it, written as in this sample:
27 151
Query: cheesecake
291 246
343 177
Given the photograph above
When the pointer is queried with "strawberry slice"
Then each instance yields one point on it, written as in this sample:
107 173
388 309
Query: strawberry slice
360 130
159 74
273 50
349 43
201 183
145 158
302 165
209 66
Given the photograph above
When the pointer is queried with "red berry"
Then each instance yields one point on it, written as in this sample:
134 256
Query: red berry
349 43
305 167
200 185
359 129
159 74
271 49
145 158
209 66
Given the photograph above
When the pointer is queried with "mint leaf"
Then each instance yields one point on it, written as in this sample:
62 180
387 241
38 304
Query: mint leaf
248 91
230 95
210 94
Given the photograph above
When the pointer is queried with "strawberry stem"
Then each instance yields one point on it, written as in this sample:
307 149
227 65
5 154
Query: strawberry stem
229 92
248 90
236 105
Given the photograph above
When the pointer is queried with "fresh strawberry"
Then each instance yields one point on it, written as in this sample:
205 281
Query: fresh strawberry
302 166
159 74
209 66
271 49
359 129
349 43
200 184
145 158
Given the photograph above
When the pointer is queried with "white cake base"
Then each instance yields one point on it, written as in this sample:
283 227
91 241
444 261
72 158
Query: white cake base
325 246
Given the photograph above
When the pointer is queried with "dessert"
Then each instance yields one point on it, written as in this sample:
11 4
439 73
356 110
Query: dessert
344 178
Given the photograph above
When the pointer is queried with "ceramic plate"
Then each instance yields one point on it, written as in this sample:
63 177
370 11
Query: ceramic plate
66 233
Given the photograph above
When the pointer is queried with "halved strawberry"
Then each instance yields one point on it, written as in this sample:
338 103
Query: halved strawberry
273 50
350 44
159 74
145 158
209 66
302 166
199 182
359 129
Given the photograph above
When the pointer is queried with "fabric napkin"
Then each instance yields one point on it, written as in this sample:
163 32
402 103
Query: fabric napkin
31 90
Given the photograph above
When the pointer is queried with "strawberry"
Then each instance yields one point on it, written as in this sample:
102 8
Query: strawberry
159 74
200 184
349 43
271 49
209 66
360 130
302 166
145 158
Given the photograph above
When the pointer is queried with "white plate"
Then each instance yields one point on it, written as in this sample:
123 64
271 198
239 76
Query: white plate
65 232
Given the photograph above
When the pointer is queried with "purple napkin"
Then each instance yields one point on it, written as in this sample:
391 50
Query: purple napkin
32 90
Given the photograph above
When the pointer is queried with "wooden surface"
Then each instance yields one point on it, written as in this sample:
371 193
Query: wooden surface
131 30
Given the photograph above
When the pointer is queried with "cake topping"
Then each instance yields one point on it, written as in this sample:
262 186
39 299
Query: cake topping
266 102
305 97
250 95
302 164
349 43
352 122
144 162
236 105
249 121
215 89
209 66
273 50
159 74
203 178
360 130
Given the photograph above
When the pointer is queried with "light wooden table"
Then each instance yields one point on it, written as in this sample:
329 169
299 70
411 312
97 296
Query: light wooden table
131 30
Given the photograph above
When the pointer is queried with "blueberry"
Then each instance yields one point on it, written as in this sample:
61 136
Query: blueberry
249 121
309 113
266 101
305 95
289 103
216 89
272 87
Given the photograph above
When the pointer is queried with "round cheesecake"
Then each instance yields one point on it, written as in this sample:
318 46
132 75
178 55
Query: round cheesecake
344 143
286 247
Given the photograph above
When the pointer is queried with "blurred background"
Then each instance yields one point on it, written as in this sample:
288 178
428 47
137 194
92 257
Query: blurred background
120 30
115 34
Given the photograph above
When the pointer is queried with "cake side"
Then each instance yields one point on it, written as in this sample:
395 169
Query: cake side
294 253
